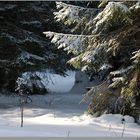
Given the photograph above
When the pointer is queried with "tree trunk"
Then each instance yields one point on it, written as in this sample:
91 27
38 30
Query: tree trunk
22 109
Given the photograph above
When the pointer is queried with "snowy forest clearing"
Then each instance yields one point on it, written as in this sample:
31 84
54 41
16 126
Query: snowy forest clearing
61 115
40 40
65 121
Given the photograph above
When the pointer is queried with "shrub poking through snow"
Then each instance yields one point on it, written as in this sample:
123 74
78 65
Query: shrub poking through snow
23 94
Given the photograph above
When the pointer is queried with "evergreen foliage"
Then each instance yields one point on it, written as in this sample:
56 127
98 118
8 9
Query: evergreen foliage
110 47
23 48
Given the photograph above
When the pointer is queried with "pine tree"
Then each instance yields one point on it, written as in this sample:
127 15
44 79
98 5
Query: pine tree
104 41
23 48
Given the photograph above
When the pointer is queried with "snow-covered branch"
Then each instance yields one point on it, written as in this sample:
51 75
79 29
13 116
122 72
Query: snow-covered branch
136 6
70 43
75 17
35 81
93 21
113 16
136 57
70 14
85 47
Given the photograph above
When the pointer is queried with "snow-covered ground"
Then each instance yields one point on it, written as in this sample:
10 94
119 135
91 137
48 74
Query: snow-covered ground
59 114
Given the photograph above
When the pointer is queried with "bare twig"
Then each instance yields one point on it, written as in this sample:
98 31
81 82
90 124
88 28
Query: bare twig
68 134
123 122
22 109
53 105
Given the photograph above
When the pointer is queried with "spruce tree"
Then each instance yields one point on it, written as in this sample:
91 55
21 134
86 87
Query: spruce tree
104 41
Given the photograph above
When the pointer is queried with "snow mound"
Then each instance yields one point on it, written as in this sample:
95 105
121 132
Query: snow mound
115 119
47 80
